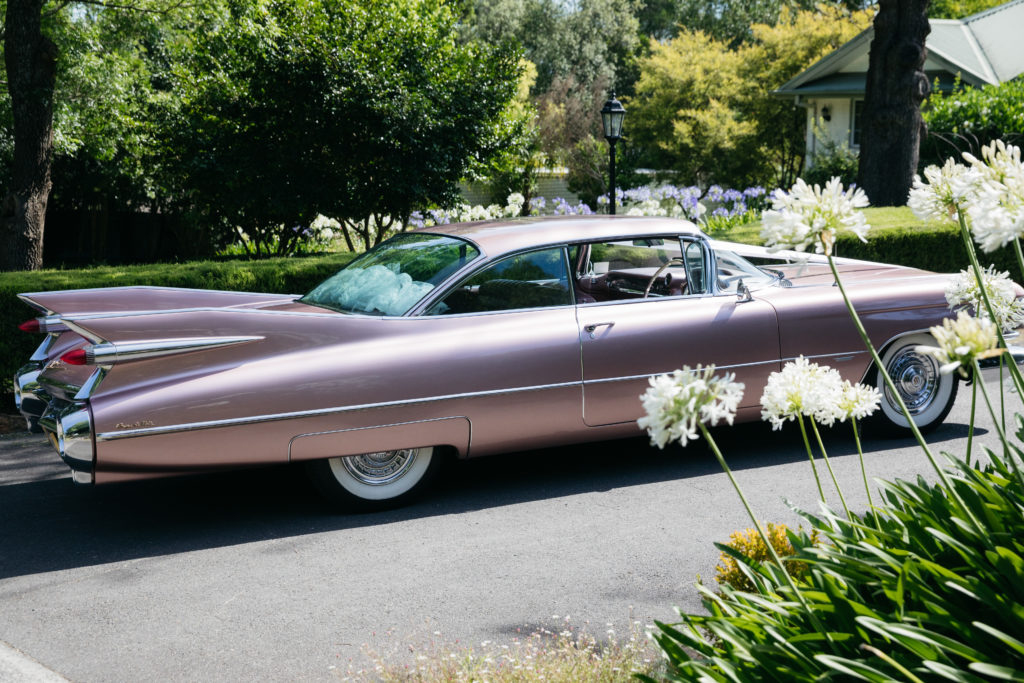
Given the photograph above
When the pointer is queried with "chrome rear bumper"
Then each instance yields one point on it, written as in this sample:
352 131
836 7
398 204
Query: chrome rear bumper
67 424
29 396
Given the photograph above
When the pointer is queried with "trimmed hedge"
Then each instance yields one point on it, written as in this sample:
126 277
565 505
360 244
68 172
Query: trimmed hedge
279 276
939 249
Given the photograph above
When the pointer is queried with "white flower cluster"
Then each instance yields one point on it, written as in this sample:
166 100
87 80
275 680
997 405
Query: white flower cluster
675 404
814 391
961 342
963 290
997 217
989 194
811 215
947 191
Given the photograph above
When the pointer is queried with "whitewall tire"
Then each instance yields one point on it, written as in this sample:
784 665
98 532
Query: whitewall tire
928 395
375 481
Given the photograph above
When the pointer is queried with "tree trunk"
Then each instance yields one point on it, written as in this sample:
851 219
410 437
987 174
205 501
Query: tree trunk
31 73
896 86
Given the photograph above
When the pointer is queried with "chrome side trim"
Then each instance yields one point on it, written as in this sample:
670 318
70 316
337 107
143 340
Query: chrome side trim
273 417
42 352
291 441
84 333
119 352
842 356
92 383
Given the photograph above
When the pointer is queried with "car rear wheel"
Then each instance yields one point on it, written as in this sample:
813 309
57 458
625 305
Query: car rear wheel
375 481
928 395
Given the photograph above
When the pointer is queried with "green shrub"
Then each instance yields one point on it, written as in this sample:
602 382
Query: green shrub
833 160
746 547
969 118
280 276
926 593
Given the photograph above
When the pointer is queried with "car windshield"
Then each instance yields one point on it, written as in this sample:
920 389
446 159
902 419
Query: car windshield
733 269
392 277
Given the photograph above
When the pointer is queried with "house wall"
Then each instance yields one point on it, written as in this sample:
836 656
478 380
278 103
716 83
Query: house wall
838 129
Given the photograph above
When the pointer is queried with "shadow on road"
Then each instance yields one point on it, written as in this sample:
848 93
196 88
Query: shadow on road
49 525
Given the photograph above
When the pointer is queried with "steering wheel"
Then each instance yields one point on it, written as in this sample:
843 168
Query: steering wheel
650 283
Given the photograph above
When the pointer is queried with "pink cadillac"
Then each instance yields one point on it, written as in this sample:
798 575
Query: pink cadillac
465 339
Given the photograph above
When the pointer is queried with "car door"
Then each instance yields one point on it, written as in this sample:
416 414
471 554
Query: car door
517 375
626 337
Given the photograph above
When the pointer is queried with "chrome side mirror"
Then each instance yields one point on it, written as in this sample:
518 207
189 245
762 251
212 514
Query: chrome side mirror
742 292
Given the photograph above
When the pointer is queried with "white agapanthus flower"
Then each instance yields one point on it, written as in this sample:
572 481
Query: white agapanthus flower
857 401
675 404
802 388
811 216
961 342
514 204
997 215
949 190
963 290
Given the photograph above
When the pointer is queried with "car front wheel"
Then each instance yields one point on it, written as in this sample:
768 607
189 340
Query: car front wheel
375 481
928 394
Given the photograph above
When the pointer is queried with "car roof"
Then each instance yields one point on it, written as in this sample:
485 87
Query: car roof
514 234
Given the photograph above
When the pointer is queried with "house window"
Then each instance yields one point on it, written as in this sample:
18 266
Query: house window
855 123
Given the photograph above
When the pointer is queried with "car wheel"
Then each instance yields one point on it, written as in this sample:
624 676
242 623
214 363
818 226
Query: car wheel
928 395
375 481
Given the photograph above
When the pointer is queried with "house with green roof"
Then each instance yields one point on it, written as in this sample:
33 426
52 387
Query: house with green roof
985 48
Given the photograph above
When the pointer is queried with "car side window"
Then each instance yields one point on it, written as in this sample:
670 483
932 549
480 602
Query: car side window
693 256
647 268
536 279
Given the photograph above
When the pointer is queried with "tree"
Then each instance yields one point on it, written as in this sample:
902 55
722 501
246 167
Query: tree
30 60
896 87
704 110
362 110
74 115
732 21
958 9
585 40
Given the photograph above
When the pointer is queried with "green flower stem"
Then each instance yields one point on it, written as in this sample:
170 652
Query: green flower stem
974 403
810 456
1018 381
1020 256
761 532
1002 392
824 455
864 472
995 420
943 477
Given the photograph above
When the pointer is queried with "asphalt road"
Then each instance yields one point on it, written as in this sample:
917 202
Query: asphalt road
246 576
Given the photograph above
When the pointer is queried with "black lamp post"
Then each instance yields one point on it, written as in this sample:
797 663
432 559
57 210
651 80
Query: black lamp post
611 117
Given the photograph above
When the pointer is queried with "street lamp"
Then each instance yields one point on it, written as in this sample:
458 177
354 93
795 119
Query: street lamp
611 117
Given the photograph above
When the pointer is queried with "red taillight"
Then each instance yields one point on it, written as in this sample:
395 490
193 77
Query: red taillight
74 357
31 325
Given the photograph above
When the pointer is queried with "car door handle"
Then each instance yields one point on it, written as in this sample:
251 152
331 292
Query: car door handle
592 327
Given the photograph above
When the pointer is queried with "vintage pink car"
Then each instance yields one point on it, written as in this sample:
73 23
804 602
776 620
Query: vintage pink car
466 339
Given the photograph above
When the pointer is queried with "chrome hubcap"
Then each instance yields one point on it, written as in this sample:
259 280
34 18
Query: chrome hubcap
916 378
378 469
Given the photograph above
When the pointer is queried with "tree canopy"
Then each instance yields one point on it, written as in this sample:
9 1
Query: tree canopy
704 109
